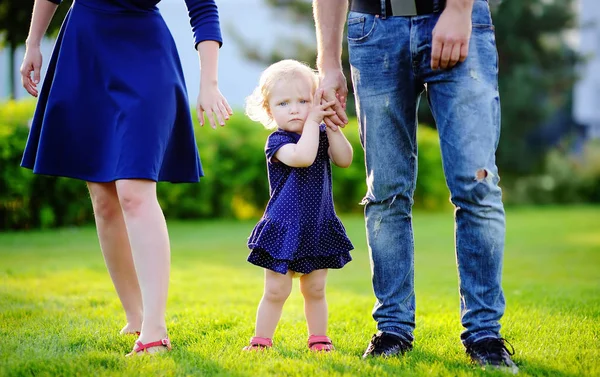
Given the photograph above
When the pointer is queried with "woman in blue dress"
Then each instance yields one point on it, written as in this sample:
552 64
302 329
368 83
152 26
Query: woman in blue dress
113 111
299 233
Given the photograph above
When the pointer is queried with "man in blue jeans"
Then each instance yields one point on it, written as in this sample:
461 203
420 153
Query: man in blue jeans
398 48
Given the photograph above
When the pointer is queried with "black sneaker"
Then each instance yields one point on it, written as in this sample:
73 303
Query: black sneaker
386 344
492 352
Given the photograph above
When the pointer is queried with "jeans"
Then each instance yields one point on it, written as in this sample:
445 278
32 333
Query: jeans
390 62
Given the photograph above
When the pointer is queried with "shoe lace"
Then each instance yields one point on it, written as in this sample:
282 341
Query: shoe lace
492 348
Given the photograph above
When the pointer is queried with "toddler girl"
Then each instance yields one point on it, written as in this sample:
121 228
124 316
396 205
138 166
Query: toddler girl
299 233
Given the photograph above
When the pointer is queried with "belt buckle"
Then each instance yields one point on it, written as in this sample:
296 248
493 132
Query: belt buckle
403 7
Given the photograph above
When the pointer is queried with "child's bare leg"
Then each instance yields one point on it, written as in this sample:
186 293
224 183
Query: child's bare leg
277 289
114 243
149 240
312 287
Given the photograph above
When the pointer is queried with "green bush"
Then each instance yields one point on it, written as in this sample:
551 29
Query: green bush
28 200
566 179
235 183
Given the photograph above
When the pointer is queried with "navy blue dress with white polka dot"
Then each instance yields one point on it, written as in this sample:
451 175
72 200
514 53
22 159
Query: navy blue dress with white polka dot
299 230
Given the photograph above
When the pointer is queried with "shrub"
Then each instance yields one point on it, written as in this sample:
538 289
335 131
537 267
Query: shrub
235 183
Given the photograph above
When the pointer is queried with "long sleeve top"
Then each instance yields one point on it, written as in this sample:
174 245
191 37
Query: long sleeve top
204 15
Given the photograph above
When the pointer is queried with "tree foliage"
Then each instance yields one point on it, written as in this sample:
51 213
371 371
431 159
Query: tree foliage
537 70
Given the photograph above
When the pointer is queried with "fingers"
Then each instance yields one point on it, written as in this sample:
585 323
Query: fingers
332 119
227 107
319 95
340 118
464 51
210 115
220 117
329 123
224 113
343 102
326 105
36 73
200 112
454 56
217 112
29 85
445 56
436 52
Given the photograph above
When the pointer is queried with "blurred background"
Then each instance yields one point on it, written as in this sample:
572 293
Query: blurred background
549 152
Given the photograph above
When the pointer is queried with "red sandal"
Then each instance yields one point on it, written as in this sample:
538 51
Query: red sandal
320 343
141 347
258 344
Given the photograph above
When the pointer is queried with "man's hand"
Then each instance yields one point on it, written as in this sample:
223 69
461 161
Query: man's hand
335 89
451 37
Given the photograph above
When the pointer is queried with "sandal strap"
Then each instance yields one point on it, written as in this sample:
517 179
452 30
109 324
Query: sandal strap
139 346
318 339
261 342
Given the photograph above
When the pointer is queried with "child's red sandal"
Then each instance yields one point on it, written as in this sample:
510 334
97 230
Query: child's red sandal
258 344
143 348
320 343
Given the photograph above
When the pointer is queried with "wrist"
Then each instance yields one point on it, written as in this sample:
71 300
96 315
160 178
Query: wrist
325 65
33 43
208 82
310 122
460 5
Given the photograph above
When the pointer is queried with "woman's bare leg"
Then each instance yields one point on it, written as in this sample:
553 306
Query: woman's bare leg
114 243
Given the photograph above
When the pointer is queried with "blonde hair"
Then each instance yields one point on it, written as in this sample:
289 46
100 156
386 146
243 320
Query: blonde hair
257 104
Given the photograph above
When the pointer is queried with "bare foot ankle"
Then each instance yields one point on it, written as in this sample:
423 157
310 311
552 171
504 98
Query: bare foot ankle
130 329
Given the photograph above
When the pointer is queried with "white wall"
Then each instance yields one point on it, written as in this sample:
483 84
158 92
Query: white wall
586 109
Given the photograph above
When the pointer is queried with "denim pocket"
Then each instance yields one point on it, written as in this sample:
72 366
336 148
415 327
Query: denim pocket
481 17
360 26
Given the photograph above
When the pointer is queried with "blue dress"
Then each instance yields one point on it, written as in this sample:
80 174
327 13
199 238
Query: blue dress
114 103
299 230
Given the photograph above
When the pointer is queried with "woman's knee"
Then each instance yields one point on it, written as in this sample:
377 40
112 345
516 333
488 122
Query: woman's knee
105 201
135 194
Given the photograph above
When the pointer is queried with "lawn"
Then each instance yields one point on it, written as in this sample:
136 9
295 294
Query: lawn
59 315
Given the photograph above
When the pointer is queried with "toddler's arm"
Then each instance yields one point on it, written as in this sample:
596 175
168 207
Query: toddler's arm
340 150
303 153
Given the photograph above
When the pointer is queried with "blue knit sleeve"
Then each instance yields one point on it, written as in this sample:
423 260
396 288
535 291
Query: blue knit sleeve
204 18
55 1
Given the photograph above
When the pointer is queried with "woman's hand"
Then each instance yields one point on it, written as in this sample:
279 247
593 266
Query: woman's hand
212 102
32 63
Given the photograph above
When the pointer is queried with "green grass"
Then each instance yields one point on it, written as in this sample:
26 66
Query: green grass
60 316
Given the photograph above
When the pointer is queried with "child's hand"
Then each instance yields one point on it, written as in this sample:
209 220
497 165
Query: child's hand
212 102
320 110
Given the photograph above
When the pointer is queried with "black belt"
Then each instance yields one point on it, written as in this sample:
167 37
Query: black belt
398 7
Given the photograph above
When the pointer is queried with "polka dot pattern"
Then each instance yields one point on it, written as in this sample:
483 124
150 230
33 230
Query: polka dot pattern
299 230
